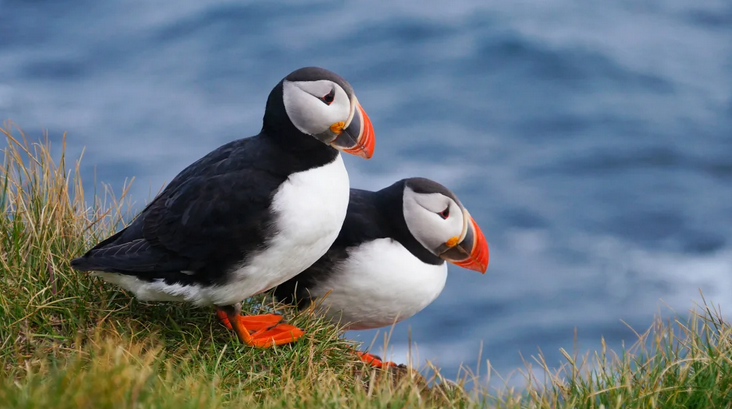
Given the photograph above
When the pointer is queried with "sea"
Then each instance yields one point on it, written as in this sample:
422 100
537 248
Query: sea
591 140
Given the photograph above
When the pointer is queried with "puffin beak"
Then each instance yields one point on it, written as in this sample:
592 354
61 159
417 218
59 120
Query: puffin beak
472 251
358 137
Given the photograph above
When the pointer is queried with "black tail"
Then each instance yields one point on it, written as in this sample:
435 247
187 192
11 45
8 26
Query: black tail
134 258
86 263
80 264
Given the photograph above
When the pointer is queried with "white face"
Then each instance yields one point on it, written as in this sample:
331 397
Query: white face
433 219
314 106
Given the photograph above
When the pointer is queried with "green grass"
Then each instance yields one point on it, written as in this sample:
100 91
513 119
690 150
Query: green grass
69 340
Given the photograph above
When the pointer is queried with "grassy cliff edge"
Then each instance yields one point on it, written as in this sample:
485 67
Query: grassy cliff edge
68 340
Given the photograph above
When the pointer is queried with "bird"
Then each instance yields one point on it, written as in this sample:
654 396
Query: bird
250 214
389 260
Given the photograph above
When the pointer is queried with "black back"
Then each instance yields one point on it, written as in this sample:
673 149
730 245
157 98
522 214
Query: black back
371 216
217 210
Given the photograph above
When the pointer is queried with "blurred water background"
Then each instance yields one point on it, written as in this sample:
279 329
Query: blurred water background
591 140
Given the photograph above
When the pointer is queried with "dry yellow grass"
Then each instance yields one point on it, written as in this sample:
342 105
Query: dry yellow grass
68 340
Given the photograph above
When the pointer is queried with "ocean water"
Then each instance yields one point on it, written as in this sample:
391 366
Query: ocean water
592 141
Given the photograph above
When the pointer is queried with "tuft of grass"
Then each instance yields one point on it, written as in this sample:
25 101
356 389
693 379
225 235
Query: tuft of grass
68 340
678 363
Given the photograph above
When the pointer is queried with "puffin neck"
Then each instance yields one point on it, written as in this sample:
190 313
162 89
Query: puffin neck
391 202
279 129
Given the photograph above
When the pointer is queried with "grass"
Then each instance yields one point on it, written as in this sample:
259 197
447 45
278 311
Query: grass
68 340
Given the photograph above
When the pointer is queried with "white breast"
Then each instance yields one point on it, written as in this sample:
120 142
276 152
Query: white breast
309 208
379 284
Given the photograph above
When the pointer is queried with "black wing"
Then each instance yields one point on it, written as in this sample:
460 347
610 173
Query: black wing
206 219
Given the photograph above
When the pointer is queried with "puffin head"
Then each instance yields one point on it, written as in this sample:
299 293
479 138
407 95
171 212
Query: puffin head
321 104
439 222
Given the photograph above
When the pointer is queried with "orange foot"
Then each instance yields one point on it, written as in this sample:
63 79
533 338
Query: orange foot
374 360
262 331
277 335
252 323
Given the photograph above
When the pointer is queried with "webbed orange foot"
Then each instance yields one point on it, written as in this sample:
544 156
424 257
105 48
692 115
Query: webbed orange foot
374 360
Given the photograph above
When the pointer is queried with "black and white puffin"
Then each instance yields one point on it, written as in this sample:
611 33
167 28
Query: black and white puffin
388 262
249 215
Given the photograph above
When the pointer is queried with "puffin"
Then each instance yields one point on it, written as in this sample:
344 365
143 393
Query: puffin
249 215
390 258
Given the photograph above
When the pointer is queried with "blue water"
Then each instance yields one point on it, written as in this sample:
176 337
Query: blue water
592 141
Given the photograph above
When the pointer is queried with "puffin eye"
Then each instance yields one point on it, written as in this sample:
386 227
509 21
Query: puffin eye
329 97
445 213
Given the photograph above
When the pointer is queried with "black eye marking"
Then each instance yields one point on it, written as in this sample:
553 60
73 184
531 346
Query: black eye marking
329 97
445 213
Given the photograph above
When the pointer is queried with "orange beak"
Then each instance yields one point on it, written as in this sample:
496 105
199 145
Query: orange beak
358 138
472 252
